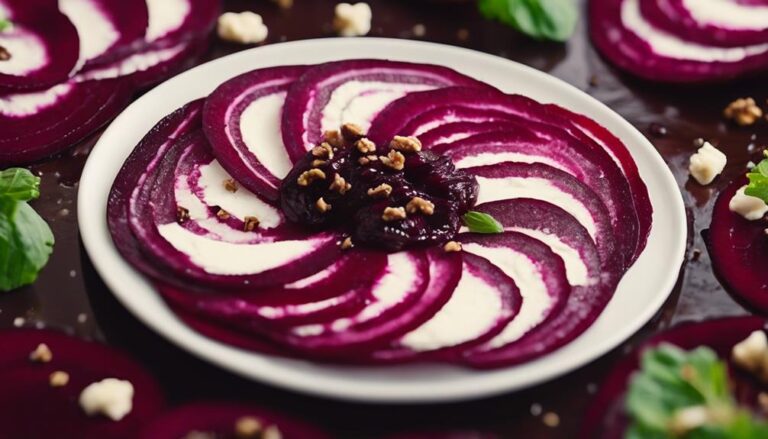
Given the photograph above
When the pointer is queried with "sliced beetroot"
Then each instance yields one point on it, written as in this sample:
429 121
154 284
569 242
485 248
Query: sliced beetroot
541 276
354 91
41 123
484 301
242 121
710 22
30 407
43 45
218 419
739 251
631 42
606 418
510 180
405 117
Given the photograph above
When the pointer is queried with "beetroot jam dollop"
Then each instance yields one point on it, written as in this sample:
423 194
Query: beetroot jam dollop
392 197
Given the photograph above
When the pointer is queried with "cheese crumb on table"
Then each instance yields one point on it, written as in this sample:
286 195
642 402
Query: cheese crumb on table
244 27
751 208
352 20
707 163
110 397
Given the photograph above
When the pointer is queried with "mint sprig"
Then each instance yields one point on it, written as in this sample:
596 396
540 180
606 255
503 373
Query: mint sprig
479 222
26 241
674 384
553 20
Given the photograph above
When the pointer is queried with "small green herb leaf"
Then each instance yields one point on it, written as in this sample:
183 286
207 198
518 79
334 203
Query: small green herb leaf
19 184
479 222
5 24
758 181
541 19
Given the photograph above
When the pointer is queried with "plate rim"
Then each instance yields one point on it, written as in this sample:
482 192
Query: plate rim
92 224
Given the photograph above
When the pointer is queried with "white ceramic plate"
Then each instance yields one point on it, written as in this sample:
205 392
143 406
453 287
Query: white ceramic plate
641 293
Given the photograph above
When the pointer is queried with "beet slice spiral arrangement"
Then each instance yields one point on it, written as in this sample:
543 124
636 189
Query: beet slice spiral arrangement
314 211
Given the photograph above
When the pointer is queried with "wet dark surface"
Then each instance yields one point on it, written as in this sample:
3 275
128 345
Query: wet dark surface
69 295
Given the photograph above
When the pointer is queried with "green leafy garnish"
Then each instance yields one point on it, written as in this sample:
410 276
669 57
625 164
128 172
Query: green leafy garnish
686 394
480 222
758 181
541 19
5 24
26 241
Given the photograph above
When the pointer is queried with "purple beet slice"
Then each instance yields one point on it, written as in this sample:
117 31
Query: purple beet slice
241 119
632 43
42 123
219 420
484 302
33 408
739 251
43 45
605 417
328 95
701 21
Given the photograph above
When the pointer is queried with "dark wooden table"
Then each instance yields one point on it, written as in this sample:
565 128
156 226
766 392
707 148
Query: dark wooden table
70 296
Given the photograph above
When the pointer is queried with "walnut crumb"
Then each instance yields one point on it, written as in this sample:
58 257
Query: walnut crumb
743 111
41 354
405 144
351 132
322 206
324 151
340 185
316 163
58 379
383 190
5 55
307 177
334 138
452 246
762 401
393 214
248 427
394 160
251 222
223 214
284 4
182 214
346 244
363 161
230 185
365 146
272 432
551 419
418 204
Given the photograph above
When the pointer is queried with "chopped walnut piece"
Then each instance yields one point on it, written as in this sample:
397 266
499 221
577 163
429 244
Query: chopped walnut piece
223 214
751 354
284 4
340 185
307 177
405 144
365 146
324 151
393 214
248 427
334 139
452 246
383 190
199 435
58 379
551 419
322 206
5 55
762 401
351 132
743 111
316 163
41 354
230 185
346 244
272 432
418 204
394 160
251 222
363 161
182 214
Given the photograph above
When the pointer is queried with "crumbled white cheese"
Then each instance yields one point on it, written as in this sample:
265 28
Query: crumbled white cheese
244 27
751 208
352 20
752 354
688 419
110 397
707 163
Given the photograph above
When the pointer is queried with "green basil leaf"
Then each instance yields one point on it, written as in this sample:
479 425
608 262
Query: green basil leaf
479 222
26 243
541 19
19 184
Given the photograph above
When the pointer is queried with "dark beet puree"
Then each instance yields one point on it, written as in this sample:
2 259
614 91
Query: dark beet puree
389 196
